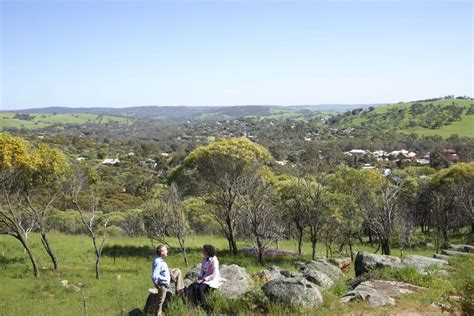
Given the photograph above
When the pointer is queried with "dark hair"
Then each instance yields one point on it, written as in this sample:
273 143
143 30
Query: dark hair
209 250
158 249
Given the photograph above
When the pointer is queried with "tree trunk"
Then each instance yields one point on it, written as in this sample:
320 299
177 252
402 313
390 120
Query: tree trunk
52 255
30 254
350 249
183 251
231 238
385 244
97 266
261 254
300 241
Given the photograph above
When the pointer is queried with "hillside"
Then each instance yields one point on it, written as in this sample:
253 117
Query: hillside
34 121
442 117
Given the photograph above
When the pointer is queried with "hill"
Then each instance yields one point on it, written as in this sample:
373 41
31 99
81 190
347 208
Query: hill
36 120
192 112
442 117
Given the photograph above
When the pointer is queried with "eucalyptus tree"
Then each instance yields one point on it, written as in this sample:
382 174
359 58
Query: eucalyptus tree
217 170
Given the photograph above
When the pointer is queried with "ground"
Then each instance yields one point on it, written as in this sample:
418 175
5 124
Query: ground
126 278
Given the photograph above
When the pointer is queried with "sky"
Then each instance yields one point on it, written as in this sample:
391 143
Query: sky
134 53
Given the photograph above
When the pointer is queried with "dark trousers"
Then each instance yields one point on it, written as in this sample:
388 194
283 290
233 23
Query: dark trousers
199 291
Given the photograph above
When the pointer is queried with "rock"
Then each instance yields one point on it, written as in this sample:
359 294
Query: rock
75 288
442 257
365 262
343 264
298 264
423 263
380 292
323 266
237 283
293 291
193 273
462 248
453 253
65 284
274 272
318 278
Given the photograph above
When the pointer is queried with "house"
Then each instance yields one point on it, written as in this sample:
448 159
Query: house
148 163
356 152
110 161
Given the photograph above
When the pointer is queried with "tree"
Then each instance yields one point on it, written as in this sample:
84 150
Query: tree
217 169
83 189
289 200
381 218
460 179
16 164
351 195
42 189
258 211
166 217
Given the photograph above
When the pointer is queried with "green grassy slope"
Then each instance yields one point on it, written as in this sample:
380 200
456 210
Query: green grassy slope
440 117
8 120
125 280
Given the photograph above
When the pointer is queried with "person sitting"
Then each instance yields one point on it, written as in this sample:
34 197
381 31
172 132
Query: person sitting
209 277
162 277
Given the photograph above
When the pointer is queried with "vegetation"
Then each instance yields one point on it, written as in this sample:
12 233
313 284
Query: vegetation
284 182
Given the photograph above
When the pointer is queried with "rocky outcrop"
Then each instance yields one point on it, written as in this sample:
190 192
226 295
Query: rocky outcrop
237 281
324 266
317 277
380 292
423 263
293 291
192 274
275 272
462 248
344 264
452 253
442 257
365 262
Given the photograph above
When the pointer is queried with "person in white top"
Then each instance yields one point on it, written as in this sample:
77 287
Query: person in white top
209 277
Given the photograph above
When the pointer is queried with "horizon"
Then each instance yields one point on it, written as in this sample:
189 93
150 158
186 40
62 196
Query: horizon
237 53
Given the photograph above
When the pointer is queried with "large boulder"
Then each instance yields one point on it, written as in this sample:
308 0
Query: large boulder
453 253
192 274
344 264
293 291
317 277
365 262
442 257
462 248
380 292
275 272
237 281
423 263
324 266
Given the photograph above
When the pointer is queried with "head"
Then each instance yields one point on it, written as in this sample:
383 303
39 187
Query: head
208 251
161 251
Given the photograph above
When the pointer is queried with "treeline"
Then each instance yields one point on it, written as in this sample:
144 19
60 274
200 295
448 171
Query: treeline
232 187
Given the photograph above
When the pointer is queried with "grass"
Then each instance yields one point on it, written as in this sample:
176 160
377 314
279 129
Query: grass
126 278
8 120
375 119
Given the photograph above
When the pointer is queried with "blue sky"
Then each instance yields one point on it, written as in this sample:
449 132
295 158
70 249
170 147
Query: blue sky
118 53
